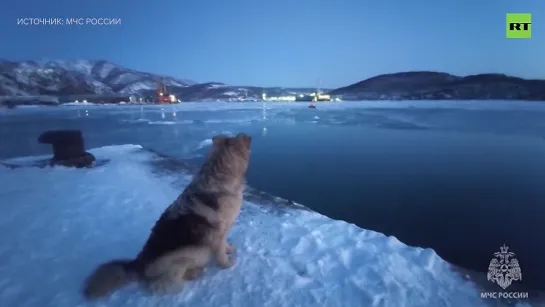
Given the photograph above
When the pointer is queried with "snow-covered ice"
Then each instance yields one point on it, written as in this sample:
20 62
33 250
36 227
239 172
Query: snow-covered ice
168 122
82 103
58 223
204 144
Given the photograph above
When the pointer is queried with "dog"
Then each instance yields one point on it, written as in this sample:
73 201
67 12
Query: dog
190 232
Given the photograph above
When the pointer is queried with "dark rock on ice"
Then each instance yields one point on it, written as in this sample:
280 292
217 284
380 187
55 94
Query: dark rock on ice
68 148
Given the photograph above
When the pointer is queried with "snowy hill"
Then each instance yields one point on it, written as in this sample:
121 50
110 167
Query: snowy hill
70 79
67 79
437 86
286 256
76 77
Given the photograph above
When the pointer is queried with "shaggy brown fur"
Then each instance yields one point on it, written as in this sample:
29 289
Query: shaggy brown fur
190 232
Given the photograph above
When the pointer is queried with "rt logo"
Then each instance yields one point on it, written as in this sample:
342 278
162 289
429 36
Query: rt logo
519 25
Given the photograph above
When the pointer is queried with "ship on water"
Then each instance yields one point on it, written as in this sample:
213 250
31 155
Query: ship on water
313 97
317 96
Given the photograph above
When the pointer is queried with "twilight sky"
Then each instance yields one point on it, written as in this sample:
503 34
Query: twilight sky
281 42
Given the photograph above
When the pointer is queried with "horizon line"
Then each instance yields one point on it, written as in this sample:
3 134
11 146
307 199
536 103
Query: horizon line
281 86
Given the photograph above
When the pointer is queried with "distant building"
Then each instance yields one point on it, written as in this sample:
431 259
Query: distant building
96 98
277 98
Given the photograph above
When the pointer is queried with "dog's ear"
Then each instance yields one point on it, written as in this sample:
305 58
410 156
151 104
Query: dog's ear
219 139
246 139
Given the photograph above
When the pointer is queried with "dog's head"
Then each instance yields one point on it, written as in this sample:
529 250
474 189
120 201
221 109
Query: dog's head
234 152
239 144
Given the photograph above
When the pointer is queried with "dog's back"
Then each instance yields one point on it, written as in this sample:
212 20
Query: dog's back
171 233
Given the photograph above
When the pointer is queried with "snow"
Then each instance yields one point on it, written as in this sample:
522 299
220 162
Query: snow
162 123
126 77
204 144
83 66
216 85
99 75
139 86
59 223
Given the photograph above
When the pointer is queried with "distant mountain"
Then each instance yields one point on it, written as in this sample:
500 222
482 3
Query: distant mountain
65 80
76 77
422 85
62 80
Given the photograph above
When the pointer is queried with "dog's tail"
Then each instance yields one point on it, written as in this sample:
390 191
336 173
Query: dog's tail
168 272
108 277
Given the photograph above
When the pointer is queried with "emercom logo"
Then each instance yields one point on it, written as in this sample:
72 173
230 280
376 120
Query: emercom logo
519 25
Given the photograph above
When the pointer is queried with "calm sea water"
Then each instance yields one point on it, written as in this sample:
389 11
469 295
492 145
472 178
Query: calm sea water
462 178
